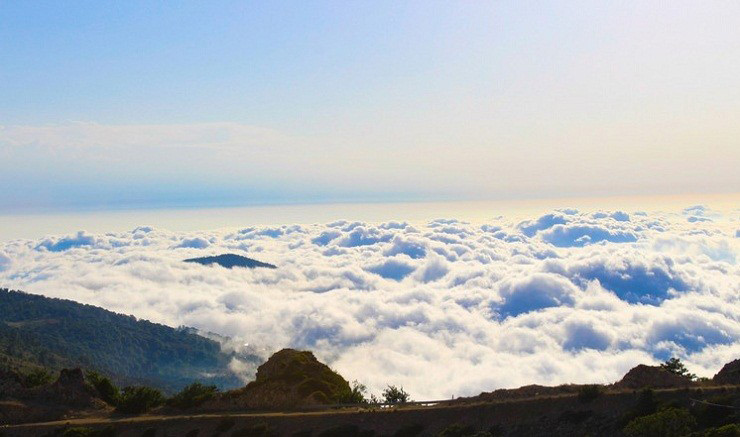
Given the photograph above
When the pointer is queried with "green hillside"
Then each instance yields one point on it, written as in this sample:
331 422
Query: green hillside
55 333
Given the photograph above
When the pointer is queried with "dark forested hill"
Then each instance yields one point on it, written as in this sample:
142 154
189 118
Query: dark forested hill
56 333
230 260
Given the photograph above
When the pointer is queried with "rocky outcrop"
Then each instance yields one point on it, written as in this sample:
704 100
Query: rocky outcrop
70 390
729 374
289 379
643 376
69 393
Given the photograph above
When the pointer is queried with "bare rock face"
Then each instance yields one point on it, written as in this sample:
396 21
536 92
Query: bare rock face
652 376
289 379
70 390
729 374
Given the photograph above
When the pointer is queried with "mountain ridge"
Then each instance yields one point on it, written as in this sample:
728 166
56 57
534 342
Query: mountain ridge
230 260
128 349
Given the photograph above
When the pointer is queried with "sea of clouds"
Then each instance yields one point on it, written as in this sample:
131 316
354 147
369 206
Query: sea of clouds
442 308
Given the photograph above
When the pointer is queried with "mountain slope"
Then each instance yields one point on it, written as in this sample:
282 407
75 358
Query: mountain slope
56 333
230 260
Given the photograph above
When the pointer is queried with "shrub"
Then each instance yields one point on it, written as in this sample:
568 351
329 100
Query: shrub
106 389
395 395
356 395
588 393
645 405
665 423
36 378
713 415
732 430
137 400
193 395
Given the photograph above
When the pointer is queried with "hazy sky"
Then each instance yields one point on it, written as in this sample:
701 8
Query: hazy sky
132 104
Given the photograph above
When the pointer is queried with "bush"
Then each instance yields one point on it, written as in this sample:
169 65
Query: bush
713 415
645 405
36 378
732 430
193 395
106 389
588 393
356 395
137 400
395 395
665 423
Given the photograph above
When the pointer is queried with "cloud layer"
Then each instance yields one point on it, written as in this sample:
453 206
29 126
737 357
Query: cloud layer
566 297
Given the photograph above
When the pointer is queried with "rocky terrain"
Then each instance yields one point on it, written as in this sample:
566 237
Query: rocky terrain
729 374
295 394
68 395
289 379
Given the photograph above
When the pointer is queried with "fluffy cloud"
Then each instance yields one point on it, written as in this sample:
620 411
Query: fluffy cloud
392 269
582 235
66 243
4 261
535 292
194 243
568 296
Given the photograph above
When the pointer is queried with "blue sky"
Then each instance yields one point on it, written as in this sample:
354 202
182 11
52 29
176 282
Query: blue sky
114 105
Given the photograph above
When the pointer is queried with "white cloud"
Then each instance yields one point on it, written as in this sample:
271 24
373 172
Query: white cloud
470 306
194 243
66 243
4 261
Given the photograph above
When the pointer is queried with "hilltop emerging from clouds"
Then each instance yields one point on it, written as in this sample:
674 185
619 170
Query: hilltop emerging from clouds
569 296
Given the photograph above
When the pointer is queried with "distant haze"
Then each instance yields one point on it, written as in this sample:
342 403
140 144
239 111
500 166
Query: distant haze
110 105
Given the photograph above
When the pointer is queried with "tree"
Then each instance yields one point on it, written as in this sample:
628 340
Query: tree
37 377
674 365
588 393
665 423
107 390
137 400
395 395
193 395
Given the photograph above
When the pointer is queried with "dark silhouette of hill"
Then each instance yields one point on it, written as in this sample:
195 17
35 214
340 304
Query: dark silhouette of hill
729 374
230 260
37 331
